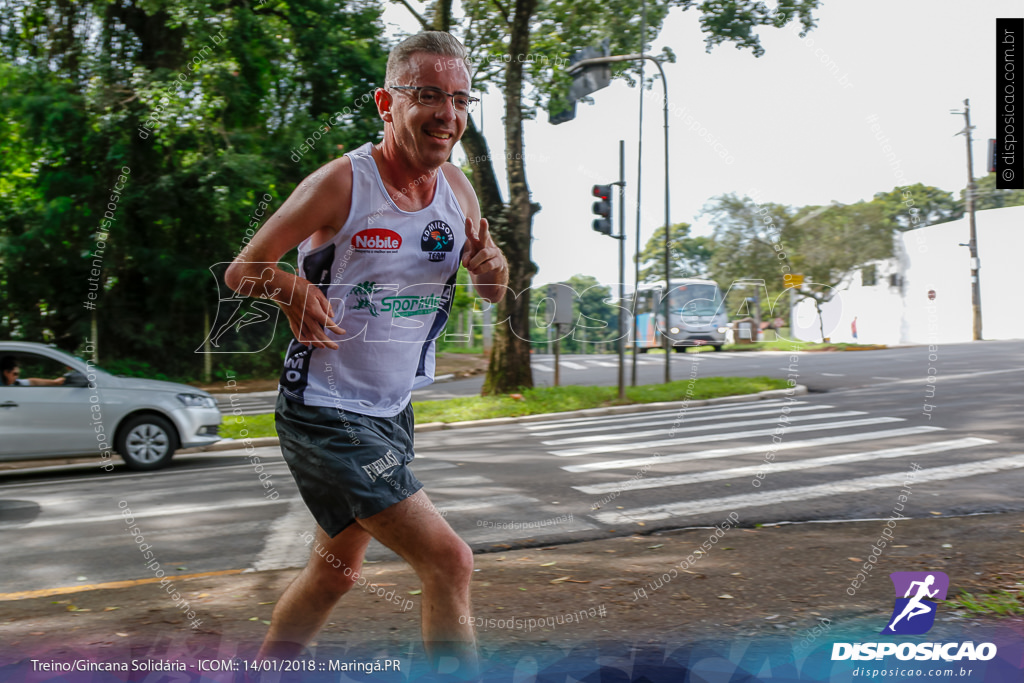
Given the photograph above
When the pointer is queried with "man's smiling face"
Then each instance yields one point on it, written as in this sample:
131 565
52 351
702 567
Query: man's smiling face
427 135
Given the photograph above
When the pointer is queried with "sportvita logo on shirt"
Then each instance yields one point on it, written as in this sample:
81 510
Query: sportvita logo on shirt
376 241
914 614
406 306
438 239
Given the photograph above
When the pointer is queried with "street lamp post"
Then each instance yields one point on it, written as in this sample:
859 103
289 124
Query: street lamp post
595 61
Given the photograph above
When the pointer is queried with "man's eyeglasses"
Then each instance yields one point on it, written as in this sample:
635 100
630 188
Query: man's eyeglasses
430 96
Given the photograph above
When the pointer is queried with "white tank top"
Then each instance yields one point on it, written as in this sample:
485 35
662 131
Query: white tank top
389 275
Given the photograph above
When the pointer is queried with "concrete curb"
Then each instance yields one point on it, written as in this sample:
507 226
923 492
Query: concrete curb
798 390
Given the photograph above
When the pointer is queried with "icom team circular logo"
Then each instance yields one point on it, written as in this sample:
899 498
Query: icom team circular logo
438 239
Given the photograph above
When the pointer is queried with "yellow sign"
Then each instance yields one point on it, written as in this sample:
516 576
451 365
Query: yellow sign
792 281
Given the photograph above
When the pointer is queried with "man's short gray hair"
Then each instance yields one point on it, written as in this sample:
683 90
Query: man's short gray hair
430 42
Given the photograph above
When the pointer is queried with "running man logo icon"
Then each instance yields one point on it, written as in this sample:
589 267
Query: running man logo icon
246 319
914 613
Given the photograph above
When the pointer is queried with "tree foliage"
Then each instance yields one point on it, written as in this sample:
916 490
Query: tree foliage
208 106
919 205
689 256
988 197
516 45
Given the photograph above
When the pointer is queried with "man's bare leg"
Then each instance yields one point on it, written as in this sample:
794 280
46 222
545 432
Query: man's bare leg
307 602
416 531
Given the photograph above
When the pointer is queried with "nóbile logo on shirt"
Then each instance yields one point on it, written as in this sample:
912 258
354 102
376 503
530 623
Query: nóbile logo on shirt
376 241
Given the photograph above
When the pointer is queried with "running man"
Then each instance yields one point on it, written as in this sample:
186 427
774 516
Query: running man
914 607
381 233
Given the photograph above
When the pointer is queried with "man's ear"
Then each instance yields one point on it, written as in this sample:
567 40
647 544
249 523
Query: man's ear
383 99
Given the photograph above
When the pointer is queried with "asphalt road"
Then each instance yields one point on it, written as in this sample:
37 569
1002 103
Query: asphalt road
818 371
846 452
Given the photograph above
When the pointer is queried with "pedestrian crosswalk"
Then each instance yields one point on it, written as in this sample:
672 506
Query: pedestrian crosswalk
546 363
676 466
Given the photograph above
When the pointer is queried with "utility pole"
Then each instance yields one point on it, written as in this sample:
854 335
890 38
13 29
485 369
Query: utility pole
639 172
973 244
623 340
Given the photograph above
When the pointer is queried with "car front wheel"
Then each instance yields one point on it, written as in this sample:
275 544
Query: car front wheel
146 442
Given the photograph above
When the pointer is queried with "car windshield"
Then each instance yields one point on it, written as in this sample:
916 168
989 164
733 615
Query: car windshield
697 299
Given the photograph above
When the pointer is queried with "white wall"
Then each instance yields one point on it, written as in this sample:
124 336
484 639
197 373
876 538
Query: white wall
928 259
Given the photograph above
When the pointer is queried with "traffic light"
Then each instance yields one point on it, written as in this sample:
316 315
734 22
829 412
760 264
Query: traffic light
603 209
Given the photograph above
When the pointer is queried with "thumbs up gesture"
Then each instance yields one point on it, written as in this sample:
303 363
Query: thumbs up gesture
481 255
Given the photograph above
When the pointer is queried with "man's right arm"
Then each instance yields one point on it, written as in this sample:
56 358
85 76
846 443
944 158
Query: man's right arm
319 206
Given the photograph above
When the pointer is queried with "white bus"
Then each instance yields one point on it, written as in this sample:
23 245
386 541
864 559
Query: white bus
697 315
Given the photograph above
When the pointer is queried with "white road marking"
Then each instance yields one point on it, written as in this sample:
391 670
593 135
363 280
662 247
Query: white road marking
603 364
572 366
542 368
656 432
284 546
612 448
800 493
830 374
452 482
426 465
685 419
482 503
159 511
943 378
626 417
743 450
772 468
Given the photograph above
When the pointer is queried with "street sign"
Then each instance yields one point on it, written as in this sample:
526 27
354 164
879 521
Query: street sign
792 281
558 307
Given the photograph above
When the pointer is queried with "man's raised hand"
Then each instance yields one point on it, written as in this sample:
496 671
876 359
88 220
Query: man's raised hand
481 255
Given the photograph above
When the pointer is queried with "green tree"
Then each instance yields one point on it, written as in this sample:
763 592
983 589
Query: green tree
208 105
594 318
503 37
689 256
830 245
918 205
988 197
750 242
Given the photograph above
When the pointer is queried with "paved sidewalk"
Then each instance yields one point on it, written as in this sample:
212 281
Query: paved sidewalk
773 581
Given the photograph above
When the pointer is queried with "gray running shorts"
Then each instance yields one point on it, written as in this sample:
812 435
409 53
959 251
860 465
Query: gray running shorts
347 466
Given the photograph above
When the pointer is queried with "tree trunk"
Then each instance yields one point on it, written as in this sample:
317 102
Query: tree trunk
509 367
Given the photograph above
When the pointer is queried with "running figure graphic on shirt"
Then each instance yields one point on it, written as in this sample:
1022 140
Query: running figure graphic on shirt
364 292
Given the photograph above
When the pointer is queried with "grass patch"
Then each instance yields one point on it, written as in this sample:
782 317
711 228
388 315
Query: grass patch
540 400
561 399
247 426
1000 603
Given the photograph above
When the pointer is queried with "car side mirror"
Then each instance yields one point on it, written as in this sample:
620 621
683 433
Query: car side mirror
75 379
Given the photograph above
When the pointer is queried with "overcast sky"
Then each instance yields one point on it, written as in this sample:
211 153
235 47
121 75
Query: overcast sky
794 131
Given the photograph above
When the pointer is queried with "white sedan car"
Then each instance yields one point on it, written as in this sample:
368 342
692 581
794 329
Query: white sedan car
53 404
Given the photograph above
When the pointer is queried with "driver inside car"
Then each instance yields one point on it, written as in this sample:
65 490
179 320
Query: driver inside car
11 370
